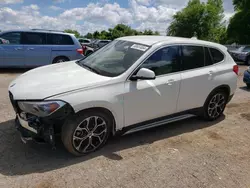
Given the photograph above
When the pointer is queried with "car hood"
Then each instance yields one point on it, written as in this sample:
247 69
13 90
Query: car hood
46 81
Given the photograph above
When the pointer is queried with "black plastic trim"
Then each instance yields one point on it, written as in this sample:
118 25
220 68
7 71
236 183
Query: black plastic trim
195 111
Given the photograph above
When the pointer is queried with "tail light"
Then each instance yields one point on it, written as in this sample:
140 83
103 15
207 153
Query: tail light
80 50
236 69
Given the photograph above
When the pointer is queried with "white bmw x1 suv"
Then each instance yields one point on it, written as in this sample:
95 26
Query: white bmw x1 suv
133 83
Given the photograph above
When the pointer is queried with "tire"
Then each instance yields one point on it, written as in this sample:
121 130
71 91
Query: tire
86 132
88 53
248 60
215 105
248 86
60 60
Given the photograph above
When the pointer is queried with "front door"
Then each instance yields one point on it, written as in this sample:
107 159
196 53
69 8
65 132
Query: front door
150 99
37 53
13 51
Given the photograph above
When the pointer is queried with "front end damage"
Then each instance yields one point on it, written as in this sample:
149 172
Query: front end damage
40 129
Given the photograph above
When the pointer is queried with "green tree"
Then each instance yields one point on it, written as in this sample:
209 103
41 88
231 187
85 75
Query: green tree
203 20
89 35
76 33
239 26
96 35
120 30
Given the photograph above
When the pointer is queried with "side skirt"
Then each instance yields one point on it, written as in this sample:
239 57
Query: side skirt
159 121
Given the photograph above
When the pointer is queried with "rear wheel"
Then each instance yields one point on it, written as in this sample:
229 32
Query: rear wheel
86 132
215 105
60 60
248 61
88 53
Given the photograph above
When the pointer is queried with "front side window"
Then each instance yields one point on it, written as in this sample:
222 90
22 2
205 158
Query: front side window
164 61
192 57
114 58
59 39
12 38
216 55
34 38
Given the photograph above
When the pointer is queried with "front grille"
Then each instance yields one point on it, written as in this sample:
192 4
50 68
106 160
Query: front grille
13 102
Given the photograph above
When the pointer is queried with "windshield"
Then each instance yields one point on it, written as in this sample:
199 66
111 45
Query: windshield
240 49
114 58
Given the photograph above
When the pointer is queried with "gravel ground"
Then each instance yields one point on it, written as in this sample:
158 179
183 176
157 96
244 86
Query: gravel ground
190 153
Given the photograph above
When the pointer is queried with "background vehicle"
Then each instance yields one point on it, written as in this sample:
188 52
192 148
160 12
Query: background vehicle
32 48
132 83
94 45
84 41
241 54
246 77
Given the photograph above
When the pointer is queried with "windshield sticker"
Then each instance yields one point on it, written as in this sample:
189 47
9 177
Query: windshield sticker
139 47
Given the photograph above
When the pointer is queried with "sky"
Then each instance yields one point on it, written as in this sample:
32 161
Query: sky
91 15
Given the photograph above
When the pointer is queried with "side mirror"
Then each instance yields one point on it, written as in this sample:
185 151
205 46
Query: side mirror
143 74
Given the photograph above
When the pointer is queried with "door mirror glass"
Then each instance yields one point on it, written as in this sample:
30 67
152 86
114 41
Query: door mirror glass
144 74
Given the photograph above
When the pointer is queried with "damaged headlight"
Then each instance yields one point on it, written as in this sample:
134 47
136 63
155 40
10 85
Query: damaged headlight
41 109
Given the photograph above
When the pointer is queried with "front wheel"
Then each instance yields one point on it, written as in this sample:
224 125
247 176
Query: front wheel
86 132
248 86
215 105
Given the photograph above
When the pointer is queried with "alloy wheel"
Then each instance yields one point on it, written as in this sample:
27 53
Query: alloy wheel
216 105
89 134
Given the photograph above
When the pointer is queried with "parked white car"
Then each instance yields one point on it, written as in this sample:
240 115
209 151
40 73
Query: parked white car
132 83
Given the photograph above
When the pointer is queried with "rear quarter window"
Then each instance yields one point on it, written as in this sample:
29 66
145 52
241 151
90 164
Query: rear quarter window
59 39
217 56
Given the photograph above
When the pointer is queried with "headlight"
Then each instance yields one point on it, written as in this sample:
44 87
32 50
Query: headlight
41 109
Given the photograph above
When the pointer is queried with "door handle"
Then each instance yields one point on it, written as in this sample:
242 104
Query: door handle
18 48
210 73
30 48
169 82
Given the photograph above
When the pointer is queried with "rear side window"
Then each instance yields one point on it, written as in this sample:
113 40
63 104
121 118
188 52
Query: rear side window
34 38
208 58
58 39
13 37
216 55
192 57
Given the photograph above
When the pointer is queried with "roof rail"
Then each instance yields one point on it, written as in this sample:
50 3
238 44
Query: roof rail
47 30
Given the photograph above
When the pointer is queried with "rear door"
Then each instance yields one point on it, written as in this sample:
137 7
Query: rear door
62 45
12 53
37 53
197 76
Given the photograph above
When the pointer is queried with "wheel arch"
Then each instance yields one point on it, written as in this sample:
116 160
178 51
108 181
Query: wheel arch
224 88
60 56
106 111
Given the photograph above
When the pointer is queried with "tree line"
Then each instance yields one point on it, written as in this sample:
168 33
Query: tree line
204 20
120 30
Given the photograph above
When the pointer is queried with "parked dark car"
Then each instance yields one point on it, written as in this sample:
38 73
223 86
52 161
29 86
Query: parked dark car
94 45
241 54
246 77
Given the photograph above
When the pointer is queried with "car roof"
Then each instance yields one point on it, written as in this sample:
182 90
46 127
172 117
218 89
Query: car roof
152 40
37 31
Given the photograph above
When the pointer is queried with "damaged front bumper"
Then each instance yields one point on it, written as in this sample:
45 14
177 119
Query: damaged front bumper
40 129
